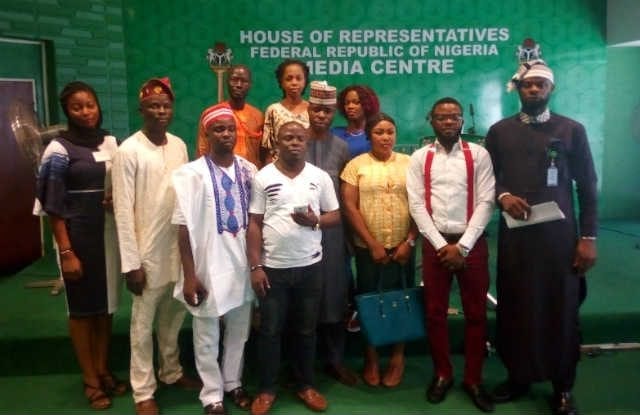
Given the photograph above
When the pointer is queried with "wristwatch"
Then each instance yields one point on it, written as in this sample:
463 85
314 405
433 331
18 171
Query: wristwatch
464 251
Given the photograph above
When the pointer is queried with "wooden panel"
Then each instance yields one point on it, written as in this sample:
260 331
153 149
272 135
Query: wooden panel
20 243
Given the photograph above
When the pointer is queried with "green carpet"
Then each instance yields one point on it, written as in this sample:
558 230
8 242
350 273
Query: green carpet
39 374
606 385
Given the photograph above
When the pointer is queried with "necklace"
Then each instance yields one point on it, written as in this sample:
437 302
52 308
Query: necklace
230 222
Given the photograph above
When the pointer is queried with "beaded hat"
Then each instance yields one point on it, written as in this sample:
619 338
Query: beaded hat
156 86
322 93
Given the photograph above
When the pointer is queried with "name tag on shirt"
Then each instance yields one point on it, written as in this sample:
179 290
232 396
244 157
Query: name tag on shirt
100 156
552 176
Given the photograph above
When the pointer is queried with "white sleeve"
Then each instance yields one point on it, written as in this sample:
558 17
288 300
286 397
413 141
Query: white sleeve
124 199
54 150
257 204
417 205
182 185
185 153
177 217
484 199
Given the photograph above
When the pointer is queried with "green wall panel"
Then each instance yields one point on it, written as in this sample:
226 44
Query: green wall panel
86 42
620 197
166 38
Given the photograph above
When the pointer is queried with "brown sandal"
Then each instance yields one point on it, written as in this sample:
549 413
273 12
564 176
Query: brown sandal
393 375
114 386
240 397
98 399
371 374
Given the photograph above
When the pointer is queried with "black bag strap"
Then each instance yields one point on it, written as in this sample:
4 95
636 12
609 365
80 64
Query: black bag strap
403 278
406 296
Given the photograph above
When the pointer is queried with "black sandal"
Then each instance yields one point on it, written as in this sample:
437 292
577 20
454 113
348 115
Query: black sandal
98 399
114 386
240 397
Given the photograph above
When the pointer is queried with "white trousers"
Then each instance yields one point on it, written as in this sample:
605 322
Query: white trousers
206 339
155 304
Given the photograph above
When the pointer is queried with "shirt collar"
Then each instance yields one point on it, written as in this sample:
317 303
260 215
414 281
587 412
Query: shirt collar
440 147
535 119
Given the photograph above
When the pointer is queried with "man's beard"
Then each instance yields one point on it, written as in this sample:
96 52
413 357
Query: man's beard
534 107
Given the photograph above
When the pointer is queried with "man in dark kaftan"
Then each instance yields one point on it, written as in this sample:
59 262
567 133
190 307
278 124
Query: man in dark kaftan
331 154
537 157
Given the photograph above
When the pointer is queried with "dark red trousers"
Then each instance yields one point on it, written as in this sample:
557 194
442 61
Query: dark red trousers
473 281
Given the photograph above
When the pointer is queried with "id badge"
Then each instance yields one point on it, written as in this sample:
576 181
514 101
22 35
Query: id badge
552 176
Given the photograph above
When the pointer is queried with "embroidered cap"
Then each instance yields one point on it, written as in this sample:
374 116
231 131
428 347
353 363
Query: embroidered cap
156 86
322 93
535 68
214 113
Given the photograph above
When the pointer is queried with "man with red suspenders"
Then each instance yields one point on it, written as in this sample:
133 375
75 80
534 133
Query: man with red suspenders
451 191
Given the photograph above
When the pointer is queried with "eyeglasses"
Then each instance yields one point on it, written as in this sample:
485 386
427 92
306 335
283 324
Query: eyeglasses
445 117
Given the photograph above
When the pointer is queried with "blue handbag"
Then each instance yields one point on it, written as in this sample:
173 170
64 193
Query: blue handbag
389 317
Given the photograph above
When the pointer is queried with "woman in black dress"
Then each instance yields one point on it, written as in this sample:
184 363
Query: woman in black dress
73 190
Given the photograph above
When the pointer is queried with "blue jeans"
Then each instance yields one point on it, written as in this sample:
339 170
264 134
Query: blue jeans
293 299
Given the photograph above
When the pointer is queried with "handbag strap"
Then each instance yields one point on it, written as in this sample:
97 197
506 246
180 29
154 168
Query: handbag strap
403 278
406 296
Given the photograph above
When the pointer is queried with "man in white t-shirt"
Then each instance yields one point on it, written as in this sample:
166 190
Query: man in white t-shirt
291 200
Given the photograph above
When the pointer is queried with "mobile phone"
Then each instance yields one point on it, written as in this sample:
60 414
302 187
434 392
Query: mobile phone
199 297
300 209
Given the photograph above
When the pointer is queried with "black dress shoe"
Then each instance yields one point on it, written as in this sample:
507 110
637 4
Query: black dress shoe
509 391
563 404
438 389
479 396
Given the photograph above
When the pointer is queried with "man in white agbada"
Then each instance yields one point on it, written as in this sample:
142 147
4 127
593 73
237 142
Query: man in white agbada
212 214
143 203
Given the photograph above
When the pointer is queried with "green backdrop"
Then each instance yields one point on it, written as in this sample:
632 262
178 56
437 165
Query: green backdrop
620 194
594 84
171 38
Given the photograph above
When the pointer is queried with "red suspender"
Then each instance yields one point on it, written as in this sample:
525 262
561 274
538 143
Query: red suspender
470 189
427 177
